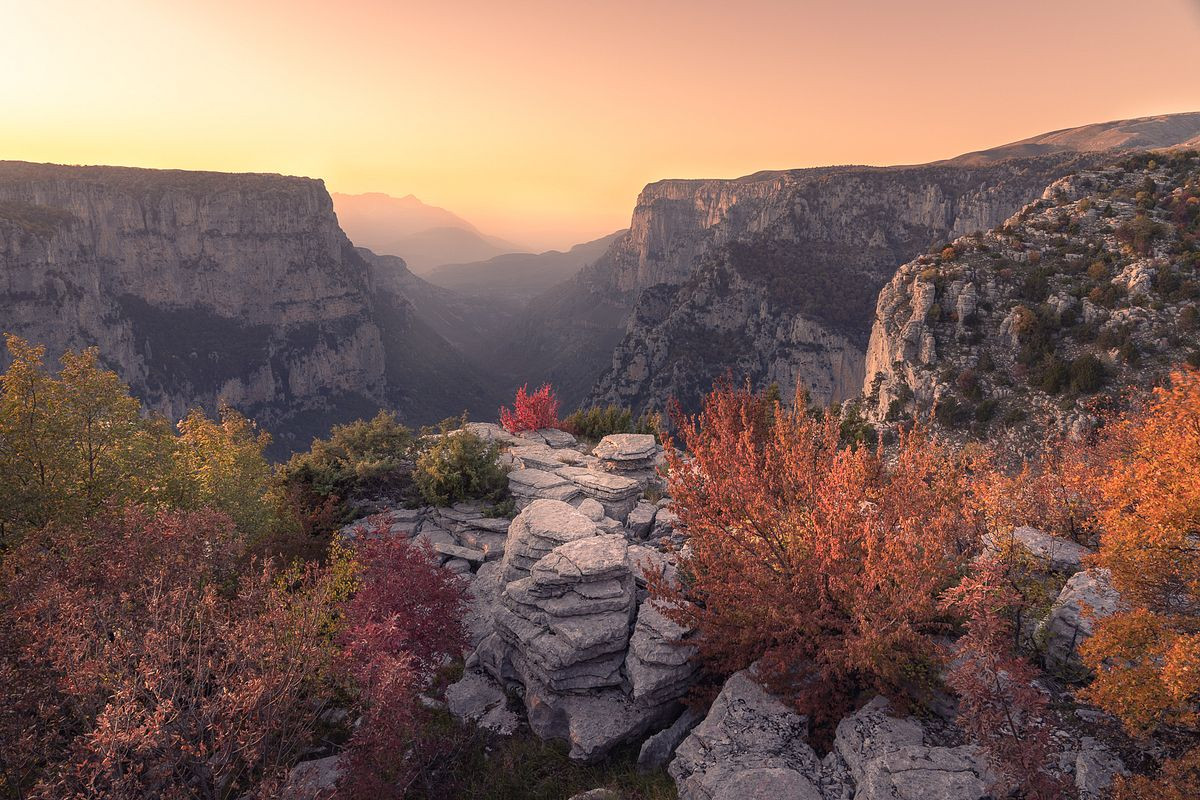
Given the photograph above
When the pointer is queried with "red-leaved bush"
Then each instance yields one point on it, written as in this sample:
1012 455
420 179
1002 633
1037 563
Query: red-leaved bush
822 560
999 704
136 662
401 625
531 412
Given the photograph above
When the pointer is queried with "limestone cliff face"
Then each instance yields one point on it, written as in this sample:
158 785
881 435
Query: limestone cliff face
774 277
815 245
199 288
1090 289
717 322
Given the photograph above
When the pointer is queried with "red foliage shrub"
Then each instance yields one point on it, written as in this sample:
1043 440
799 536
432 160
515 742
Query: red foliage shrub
531 412
137 663
400 627
821 560
999 706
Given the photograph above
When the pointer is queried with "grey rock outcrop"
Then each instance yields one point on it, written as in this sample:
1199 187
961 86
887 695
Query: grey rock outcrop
1087 596
660 665
925 773
566 630
1095 767
886 759
1012 326
749 745
1058 554
477 698
627 452
657 750
567 624
542 526
313 780
871 732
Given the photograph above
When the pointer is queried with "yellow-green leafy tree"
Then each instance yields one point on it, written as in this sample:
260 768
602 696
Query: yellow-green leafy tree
224 468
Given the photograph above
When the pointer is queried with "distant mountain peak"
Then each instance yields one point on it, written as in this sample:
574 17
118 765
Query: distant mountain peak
424 236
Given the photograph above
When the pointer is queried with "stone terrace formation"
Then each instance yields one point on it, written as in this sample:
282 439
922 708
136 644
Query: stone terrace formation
566 641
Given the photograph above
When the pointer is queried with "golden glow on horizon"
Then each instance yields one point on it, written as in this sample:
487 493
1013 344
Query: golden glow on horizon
540 121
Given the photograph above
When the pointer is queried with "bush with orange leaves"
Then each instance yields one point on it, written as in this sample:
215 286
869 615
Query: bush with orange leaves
821 560
531 412
1052 492
1146 658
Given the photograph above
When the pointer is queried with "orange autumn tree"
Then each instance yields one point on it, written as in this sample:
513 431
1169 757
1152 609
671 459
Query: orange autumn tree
1147 657
820 559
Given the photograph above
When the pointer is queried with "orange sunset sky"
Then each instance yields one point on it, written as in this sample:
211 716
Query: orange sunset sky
540 121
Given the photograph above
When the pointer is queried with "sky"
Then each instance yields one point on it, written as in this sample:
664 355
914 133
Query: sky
541 121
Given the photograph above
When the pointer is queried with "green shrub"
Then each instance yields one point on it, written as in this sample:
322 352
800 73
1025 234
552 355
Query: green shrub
1086 374
460 465
950 413
359 460
599 421
1053 376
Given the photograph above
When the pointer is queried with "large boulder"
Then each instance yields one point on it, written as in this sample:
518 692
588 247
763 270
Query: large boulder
477 698
593 722
1052 553
627 452
528 485
1087 596
886 759
915 772
618 494
871 732
558 618
1095 767
749 745
537 456
313 780
658 749
542 526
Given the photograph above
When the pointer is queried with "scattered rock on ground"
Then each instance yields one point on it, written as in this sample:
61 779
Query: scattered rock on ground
658 749
313 780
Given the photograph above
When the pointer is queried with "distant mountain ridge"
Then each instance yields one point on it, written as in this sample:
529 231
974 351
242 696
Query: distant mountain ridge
424 236
1141 133
520 276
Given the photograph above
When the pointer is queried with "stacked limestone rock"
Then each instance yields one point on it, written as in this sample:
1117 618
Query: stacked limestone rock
617 494
567 624
461 536
615 475
627 452
594 668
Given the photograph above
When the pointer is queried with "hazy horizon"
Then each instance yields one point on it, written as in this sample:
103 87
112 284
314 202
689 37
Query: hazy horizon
539 122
